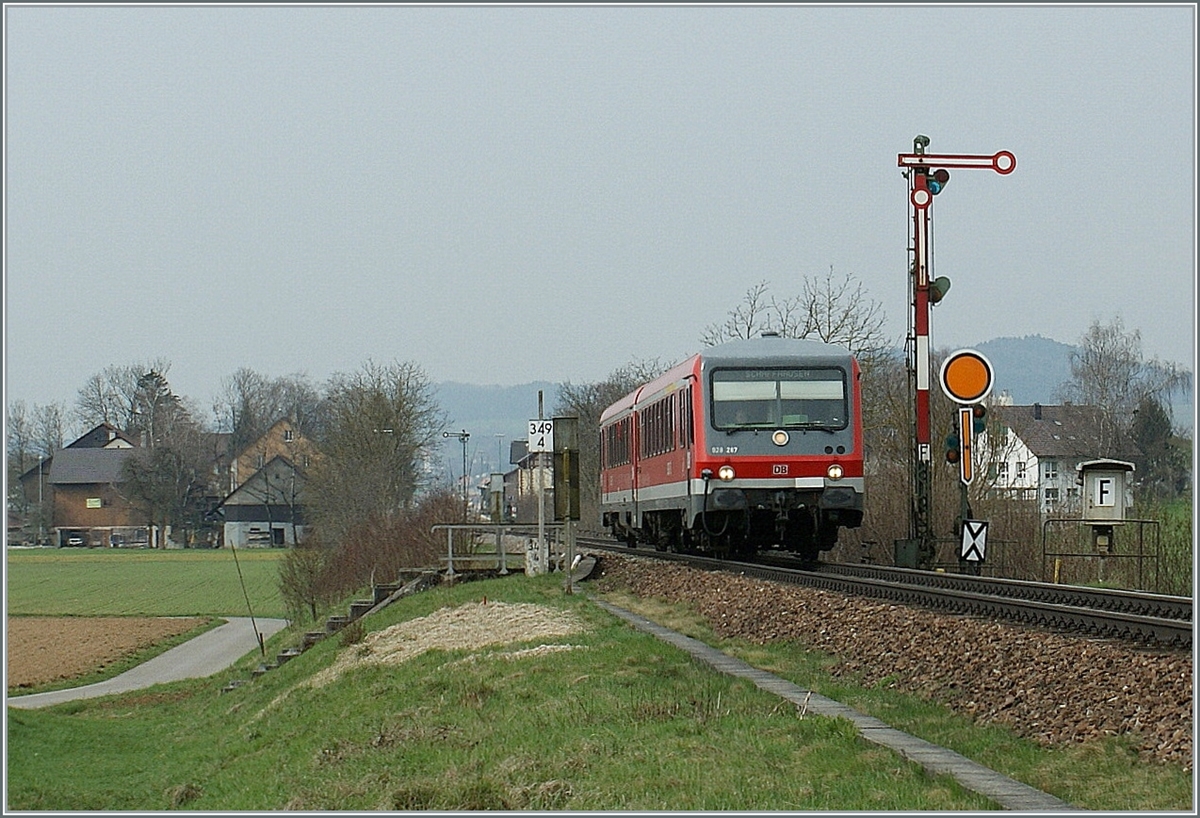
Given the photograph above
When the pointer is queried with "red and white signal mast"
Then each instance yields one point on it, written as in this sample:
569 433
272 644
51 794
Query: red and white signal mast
927 175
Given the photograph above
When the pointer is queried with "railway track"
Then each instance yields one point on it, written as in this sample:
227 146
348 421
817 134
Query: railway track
1152 619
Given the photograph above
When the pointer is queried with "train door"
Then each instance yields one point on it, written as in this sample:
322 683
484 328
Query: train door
687 436
635 444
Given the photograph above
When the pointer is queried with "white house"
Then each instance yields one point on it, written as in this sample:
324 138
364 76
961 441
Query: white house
266 510
1032 452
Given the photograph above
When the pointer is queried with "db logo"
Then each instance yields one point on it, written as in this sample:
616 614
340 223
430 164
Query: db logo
779 468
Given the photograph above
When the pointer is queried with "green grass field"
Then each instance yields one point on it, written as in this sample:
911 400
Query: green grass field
622 722
128 582
619 722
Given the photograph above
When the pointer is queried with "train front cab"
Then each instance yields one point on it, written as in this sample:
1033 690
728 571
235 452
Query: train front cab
780 458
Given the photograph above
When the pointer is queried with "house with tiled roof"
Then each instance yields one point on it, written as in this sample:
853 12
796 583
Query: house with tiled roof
89 506
85 471
1032 452
282 438
103 436
264 505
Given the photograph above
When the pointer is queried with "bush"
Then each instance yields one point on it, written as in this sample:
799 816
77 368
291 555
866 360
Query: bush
377 550
301 578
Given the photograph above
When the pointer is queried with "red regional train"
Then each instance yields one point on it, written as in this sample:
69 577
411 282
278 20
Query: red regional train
751 444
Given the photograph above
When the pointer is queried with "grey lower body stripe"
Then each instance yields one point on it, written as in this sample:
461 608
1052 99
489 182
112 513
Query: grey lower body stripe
1006 792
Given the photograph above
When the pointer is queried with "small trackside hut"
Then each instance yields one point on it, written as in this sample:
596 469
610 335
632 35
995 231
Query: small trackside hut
748 445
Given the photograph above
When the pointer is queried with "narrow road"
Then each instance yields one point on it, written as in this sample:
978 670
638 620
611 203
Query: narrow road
205 655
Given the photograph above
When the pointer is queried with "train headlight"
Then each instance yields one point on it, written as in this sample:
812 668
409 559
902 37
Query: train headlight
780 438
725 472
834 472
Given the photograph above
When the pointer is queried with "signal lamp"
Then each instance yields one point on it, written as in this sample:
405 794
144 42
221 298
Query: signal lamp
978 418
938 289
937 180
725 472
834 472
953 445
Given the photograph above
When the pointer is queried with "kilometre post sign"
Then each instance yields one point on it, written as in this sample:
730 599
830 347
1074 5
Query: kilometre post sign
541 435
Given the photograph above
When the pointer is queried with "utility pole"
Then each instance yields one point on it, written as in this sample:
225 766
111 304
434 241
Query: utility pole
566 486
463 437
41 510
541 441
927 176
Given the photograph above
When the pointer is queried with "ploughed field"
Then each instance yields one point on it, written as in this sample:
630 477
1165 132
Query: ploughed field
1049 687
48 649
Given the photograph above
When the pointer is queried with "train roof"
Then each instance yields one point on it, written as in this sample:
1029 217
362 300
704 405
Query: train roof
676 373
773 346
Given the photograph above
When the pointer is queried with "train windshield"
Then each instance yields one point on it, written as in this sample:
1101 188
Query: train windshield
779 399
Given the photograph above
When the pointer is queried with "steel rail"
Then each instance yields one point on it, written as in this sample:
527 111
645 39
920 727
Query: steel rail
1096 612
1134 603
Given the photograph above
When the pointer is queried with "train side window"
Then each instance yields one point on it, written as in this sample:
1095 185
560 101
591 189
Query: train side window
669 416
615 444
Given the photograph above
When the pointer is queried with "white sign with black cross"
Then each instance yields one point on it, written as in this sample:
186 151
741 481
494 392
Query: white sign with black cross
974 540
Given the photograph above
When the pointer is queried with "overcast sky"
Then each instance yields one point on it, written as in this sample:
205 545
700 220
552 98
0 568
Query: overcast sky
508 194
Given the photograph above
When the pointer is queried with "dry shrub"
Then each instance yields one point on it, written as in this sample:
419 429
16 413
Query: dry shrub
378 550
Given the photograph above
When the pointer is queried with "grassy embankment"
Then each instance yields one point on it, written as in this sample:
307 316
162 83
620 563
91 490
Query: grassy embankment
623 722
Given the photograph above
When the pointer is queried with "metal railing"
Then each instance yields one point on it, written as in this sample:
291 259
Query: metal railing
1100 554
510 529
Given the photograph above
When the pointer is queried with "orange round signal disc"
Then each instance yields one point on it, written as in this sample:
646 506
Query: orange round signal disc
966 376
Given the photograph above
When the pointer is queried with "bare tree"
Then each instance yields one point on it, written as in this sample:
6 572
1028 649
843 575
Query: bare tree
111 396
834 309
301 579
748 319
20 450
383 424
240 408
33 436
250 403
49 427
1109 371
838 311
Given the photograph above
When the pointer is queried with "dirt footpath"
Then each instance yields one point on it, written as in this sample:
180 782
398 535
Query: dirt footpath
43 649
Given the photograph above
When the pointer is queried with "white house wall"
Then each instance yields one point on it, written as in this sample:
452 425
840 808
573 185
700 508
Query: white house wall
1051 480
259 534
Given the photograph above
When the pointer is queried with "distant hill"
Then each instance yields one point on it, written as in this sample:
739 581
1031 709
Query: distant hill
1033 369
1029 369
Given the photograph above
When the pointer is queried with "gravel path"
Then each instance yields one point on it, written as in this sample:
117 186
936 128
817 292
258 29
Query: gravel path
1049 687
